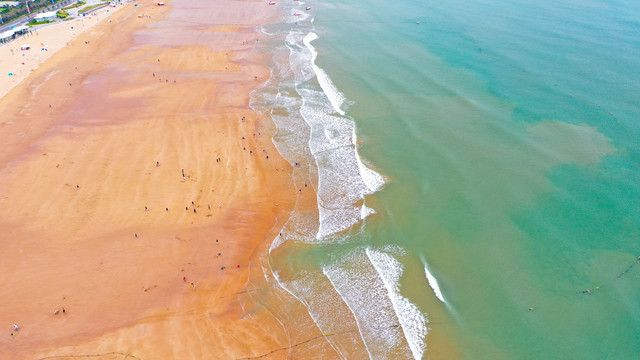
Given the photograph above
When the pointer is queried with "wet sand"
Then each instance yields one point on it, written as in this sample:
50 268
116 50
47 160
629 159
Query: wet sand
96 214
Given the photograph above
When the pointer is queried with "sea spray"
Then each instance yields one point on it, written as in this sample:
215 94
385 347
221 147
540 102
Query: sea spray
412 320
363 290
335 97
354 290
433 282
316 293
308 94
320 307
343 180
371 179
447 104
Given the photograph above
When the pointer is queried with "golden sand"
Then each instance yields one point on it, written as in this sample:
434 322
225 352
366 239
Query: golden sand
44 42
97 217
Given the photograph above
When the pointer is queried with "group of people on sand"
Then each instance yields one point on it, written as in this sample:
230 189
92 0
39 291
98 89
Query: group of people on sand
193 206
165 80
55 312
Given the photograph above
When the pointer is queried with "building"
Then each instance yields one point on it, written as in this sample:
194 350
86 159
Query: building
11 34
48 16
7 36
21 30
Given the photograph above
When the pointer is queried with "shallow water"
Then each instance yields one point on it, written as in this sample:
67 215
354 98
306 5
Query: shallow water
506 136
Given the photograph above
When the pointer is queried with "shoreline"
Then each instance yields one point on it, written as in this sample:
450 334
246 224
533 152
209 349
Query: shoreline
94 182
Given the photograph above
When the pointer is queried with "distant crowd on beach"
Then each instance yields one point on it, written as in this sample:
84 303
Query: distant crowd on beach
190 207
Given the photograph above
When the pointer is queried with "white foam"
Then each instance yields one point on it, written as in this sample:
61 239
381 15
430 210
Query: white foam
412 321
279 240
366 211
361 288
343 178
363 283
303 301
327 271
335 97
433 282
341 184
323 304
372 179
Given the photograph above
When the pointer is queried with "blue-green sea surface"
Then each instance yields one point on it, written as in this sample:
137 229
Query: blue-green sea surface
508 137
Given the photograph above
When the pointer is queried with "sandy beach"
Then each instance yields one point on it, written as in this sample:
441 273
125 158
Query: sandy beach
138 190
44 42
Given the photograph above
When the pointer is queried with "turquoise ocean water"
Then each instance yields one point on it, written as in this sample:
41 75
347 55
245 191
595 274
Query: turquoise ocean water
467 168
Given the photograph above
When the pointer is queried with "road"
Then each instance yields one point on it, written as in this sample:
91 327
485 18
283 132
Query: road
26 19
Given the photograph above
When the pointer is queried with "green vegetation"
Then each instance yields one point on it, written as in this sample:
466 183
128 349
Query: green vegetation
33 22
78 4
14 12
89 8
62 14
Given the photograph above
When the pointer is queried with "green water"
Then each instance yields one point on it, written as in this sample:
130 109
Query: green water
509 133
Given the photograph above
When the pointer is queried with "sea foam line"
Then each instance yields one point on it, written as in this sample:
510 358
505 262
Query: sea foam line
433 282
332 152
360 287
325 271
308 307
371 179
412 321
335 97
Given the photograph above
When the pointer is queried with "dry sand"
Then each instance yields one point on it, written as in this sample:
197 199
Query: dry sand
44 41
90 223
